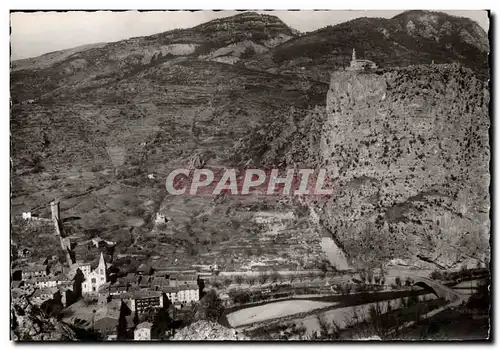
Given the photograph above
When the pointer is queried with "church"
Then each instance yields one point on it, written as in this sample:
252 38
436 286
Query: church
357 64
93 278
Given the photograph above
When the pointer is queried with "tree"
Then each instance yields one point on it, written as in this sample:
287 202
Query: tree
239 279
210 307
362 276
436 275
93 319
249 52
369 276
347 289
263 278
398 282
408 282
121 328
227 282
275 277
161 324
136 318
324 266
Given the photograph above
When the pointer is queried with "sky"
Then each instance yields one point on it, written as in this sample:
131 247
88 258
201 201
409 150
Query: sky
36 33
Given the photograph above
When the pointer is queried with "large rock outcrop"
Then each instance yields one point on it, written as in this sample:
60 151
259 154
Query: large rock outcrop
205 330
29 323
408 152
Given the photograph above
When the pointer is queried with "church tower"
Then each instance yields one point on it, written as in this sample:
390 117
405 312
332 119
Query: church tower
101 268
353 54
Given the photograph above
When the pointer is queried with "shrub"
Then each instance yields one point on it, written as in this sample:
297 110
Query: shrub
90 301
249 52
263 278
436 275
239 280
398 282
409 281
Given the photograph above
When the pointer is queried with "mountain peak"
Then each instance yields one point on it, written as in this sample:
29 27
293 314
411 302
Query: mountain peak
437 25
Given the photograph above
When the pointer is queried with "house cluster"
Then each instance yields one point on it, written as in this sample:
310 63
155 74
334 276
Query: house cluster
86 273
148 289
141 292
44 279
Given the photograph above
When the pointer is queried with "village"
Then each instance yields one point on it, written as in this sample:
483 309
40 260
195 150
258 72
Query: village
91 294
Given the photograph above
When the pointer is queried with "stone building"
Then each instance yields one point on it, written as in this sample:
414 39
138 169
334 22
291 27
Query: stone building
160 218
93 278
357 64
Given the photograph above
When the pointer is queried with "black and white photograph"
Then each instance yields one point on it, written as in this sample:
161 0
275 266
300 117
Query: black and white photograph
250 175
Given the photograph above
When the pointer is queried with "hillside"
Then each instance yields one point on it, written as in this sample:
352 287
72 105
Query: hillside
93 136
411 38
98 65
89 126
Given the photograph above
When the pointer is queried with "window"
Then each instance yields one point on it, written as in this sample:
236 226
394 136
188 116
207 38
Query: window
102 278
93 289
101 272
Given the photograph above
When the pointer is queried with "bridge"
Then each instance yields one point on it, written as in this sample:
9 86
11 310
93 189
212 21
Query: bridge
440 290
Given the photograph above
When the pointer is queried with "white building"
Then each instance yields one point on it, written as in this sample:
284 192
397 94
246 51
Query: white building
183 294
93 279
160 218
47 281
143 331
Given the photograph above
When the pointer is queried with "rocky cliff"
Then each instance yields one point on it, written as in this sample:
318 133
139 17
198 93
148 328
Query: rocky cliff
408 152
29 323
204 330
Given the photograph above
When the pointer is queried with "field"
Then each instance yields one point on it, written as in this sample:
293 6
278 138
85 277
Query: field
274 310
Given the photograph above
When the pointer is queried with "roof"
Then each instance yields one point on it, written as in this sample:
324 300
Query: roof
143 268
46 279
170 289
65 286
145 294
36 267
159 281
364 61
176 289
49 290
185 277
130 276
144 325
16 284
106 323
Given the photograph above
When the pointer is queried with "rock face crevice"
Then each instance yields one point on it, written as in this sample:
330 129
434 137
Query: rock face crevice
408 150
